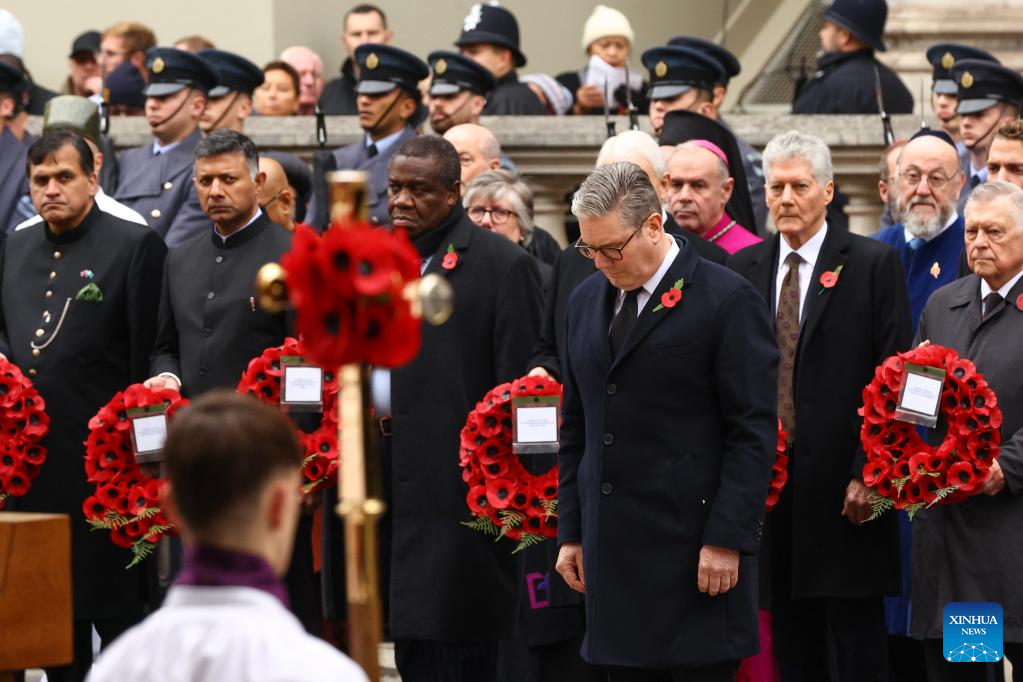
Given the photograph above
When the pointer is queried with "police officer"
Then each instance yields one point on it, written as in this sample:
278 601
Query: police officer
849 80
156 178
752 163
990 95
15 204
942 57
230 103
458 91
490 35
388 99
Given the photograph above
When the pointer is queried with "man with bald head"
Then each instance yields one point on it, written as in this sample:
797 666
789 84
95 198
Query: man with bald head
930 237
478 150
697 185
310 76
276 196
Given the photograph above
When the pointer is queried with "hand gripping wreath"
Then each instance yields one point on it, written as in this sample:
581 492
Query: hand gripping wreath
126 501
347 287
23 424
506 500
263 380
904 471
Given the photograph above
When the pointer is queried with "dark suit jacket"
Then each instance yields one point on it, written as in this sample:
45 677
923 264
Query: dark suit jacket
448 582
13 180
846 332
570 269
666 448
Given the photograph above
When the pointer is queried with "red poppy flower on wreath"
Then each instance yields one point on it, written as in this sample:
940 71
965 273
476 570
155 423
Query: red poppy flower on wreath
23 425
780 469
347 287
904 471
671 297
450 258
505 499
262 379
126 501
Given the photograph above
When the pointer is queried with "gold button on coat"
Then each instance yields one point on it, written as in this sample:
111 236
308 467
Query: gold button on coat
155 213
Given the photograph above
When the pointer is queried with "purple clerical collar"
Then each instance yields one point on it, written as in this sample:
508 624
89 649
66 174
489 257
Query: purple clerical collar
215 567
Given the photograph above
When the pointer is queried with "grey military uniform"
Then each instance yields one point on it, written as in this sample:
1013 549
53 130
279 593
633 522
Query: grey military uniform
159 186
356 157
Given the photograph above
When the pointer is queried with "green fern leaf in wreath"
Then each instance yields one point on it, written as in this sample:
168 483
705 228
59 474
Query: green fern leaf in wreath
527 540
878 506
483 524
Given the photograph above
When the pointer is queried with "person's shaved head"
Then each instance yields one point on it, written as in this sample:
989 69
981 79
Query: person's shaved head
478 150
277 197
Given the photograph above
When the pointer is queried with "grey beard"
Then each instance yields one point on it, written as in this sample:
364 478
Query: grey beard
926 229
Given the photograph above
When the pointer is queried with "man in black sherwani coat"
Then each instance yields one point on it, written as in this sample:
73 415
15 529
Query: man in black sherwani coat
666 446
840 307
452 590
78 301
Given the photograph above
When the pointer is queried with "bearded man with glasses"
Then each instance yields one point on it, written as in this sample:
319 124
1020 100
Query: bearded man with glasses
930 237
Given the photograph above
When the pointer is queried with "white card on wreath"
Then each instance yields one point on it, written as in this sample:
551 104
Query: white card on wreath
302 384
536 424
150 433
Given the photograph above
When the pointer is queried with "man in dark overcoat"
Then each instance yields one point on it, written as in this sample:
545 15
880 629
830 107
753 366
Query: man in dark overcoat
452 590
840 307
79 293
973 551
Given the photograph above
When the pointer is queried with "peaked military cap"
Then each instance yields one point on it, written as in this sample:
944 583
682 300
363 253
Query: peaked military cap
453 73
494 25
70 112
234 72
983 84
944 56
383 68
675 70
865 19
730 65
172 70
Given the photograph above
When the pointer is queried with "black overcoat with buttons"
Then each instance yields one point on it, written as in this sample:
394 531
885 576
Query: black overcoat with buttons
210 323
665 448
87 352
160 188
845 333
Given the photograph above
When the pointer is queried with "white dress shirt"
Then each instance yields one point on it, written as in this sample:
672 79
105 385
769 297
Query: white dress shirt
986 289
809 253
650 287
105 203
215 634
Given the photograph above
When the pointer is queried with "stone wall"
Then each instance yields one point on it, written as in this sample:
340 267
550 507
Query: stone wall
556 153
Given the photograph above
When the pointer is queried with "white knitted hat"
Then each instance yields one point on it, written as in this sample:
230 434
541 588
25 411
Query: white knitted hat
606 21
12 37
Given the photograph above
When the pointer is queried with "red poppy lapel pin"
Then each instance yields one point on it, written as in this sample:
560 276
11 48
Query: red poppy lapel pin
830 279
671 297
1019 302
450 258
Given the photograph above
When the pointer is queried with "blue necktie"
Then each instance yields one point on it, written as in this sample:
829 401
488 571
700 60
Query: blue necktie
915 243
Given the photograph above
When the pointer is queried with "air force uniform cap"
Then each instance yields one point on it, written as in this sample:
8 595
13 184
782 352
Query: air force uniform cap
728 61
383 68
453 73
173 70
675 70
983 84
234 73
944 56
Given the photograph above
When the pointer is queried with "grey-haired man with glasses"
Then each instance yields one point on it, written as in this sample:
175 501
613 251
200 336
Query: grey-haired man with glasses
930 237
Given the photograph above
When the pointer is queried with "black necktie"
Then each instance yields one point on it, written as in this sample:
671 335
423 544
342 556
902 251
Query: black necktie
624 320
372 150
975 180
991 302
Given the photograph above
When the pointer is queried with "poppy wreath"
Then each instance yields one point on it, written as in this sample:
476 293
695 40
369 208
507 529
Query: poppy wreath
263 380
23 424
126 501
780 470
903 470
347 288
506 500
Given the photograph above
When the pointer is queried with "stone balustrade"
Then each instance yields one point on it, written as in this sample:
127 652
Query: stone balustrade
555 154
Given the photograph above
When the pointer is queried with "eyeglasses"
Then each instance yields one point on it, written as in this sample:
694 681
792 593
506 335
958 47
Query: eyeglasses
912 178
609 252
498 215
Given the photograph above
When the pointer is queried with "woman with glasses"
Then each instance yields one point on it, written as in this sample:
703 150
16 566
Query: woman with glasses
503 203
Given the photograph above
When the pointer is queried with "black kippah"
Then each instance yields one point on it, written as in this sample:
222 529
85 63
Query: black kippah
940 134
